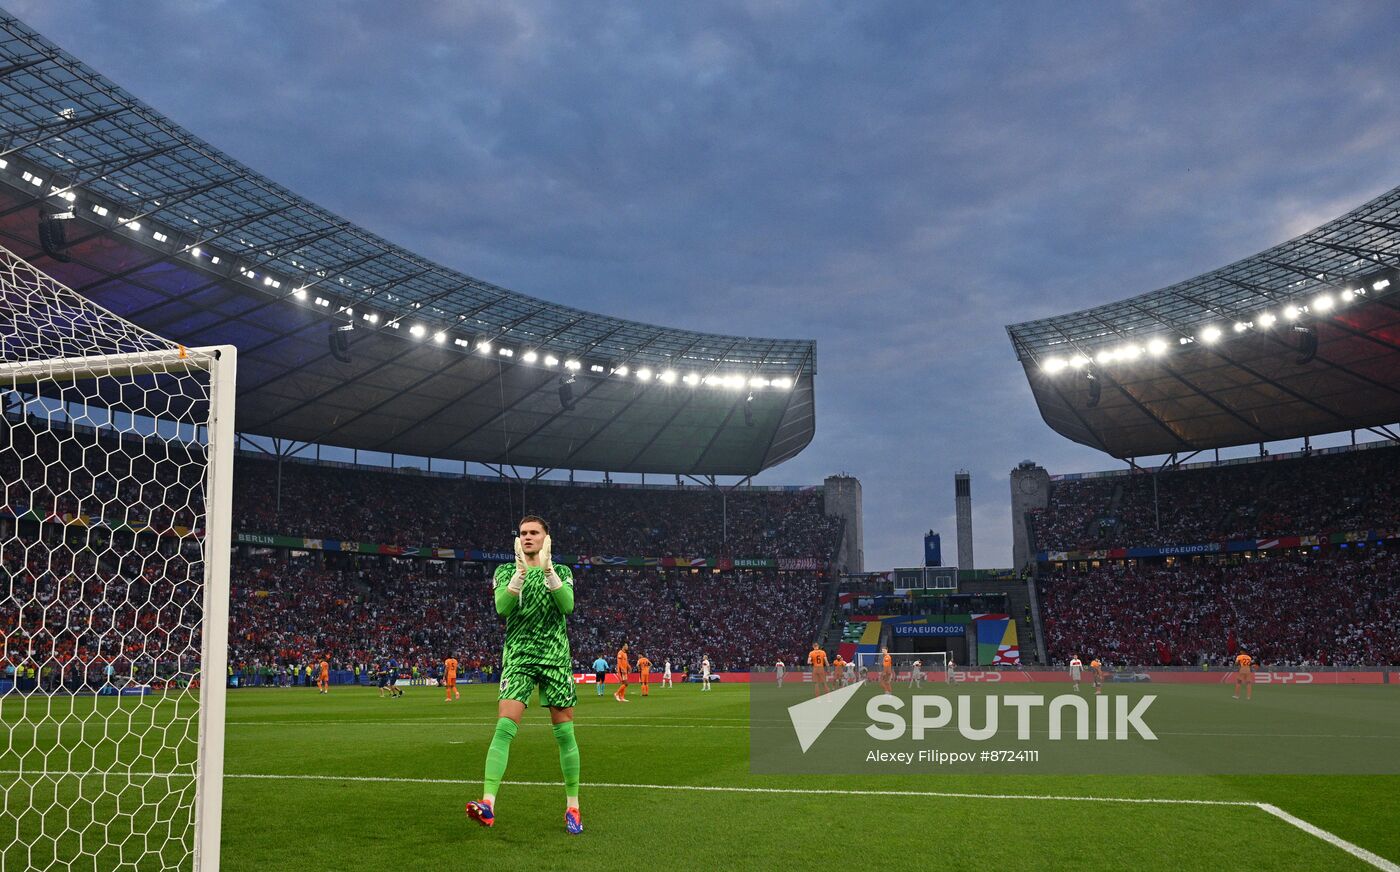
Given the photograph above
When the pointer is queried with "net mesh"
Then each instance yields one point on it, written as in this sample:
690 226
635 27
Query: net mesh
903 664
103 473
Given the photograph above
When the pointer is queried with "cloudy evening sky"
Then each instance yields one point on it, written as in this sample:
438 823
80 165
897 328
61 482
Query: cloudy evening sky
895 180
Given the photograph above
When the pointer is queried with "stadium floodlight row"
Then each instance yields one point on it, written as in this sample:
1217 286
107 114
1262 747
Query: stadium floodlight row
1294 341
346 338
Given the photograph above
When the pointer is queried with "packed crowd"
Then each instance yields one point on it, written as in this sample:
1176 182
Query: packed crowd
416 613
1297 496
55 474
1342 609
77 610
322 501
100 565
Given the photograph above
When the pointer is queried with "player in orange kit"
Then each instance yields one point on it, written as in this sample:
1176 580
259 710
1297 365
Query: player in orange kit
449 679
323 677
886 670
817 658
644 667
1097 668
624 667
1244 674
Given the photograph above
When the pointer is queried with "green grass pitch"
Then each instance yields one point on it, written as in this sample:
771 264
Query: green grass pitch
350 782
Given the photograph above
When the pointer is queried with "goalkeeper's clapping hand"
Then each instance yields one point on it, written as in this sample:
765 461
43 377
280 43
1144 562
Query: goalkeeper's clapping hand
551 578
517 581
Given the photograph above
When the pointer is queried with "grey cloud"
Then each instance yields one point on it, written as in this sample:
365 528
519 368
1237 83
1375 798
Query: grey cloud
897 180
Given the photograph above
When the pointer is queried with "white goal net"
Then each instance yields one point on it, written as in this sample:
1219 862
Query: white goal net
930 665
115 477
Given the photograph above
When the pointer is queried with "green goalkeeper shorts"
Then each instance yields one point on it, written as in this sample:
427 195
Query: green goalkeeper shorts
556 685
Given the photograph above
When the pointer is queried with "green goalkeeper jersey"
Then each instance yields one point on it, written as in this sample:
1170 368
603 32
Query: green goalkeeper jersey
536 630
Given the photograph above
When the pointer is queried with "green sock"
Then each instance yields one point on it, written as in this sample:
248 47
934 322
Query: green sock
568 757
498 754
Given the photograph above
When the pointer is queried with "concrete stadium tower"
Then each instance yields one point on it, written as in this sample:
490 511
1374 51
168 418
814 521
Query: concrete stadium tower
962 491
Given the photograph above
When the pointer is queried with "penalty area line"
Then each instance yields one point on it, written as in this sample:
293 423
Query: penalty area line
707 788
1356 851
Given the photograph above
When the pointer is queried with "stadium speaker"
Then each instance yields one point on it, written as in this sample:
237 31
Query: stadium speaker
748 410
53 238
339 339
566 393
1307 344
1094 389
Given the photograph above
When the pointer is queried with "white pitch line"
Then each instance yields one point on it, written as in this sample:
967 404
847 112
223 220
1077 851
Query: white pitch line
434 723
1356 851
705 788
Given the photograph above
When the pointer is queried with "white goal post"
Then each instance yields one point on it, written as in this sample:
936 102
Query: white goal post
116 478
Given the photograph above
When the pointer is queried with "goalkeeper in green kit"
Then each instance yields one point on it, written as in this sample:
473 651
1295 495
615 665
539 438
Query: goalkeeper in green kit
534 596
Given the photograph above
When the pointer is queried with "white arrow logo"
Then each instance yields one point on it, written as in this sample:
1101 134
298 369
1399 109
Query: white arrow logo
811 718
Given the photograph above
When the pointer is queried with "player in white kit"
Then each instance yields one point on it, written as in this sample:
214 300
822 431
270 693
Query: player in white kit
1076 669
949 676
705 672
916 674
666 676
780 670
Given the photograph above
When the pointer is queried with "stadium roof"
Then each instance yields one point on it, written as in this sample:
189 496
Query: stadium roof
1298 340
179 238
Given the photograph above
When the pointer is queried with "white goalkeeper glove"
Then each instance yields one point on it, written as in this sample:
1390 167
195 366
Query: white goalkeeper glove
517 581
551 578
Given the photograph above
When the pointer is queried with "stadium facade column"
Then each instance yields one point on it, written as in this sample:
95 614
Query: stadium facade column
1030 491
962 499
842 499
